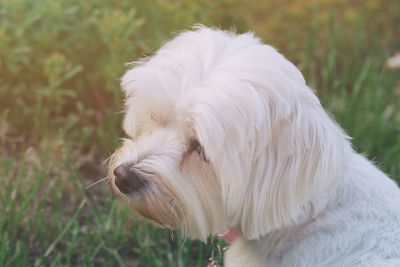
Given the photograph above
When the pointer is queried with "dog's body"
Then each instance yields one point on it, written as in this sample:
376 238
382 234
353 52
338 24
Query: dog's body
226 134
357 225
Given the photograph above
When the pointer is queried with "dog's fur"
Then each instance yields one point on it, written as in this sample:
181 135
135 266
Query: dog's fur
226 133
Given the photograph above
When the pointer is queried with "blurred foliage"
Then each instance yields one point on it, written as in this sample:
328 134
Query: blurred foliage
60 103
60 61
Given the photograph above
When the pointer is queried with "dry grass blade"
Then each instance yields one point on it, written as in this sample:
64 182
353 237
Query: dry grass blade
99 181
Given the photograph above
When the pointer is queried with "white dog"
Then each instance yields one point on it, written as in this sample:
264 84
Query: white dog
225 136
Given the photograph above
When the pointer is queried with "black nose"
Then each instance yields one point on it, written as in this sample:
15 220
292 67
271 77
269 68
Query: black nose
128 179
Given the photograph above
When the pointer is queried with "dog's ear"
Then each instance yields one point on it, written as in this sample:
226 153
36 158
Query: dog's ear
272 153
303 157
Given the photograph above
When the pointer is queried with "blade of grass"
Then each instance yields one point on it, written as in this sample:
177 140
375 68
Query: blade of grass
96 250
116 256
56 260
65 230
4 249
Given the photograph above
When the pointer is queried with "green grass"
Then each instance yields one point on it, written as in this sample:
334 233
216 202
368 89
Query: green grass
49 219
60 62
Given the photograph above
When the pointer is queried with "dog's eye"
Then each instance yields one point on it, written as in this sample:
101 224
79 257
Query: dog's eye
195 146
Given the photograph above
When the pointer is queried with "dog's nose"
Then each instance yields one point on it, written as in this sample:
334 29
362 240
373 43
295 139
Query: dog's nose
128 179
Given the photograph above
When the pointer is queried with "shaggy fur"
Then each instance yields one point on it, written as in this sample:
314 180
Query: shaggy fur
224 132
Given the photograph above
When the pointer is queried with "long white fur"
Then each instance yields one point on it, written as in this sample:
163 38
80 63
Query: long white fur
279 167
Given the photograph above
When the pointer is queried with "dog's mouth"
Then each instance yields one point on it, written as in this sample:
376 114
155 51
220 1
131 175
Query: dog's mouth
159 207
152 199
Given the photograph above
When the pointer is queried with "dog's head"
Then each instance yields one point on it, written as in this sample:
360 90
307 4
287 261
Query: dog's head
223 132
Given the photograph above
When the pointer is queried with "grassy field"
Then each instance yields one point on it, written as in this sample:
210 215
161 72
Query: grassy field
60 103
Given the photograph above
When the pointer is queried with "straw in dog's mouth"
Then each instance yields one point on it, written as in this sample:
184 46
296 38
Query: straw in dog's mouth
99 181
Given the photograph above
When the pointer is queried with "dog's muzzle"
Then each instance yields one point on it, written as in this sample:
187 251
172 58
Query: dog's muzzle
128 179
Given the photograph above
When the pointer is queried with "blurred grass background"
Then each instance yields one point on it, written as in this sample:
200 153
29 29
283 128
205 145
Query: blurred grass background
60 103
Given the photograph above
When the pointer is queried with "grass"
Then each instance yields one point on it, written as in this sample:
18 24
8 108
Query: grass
48 220
60 100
